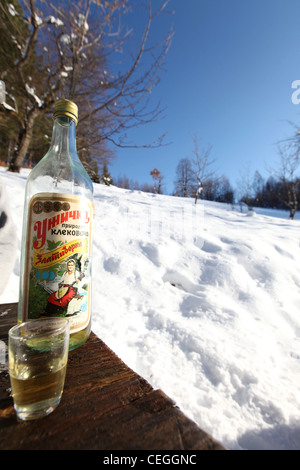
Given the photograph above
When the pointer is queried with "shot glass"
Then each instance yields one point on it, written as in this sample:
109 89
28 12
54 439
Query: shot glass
37 358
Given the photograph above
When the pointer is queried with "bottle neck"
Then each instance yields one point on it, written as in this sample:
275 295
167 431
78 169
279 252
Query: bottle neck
63 143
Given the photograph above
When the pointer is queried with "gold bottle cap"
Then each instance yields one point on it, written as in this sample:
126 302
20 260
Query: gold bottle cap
66 108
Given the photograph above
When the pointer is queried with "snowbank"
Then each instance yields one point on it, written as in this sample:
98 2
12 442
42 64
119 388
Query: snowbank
203 302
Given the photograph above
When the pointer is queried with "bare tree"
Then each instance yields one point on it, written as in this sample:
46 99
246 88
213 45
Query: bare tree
76 50
289 164
245 186
201 167
157 178
258 187
185 179
225 191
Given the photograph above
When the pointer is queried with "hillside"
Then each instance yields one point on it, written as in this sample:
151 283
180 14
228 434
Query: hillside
203 302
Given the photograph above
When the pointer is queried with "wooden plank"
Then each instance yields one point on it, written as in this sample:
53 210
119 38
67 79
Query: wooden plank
105 406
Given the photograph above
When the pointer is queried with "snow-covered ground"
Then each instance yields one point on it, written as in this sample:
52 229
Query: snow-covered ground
202 301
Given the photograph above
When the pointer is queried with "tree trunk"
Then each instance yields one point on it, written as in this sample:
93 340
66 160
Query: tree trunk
25 136
293 210
292 202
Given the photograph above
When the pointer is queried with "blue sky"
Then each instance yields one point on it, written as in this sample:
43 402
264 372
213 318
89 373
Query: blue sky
228 80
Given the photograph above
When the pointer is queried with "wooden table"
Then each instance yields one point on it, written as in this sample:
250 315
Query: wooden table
105 406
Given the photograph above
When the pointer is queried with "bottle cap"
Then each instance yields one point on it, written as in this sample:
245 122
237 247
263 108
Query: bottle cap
66 108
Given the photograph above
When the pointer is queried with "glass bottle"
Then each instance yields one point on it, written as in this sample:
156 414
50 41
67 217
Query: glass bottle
56 255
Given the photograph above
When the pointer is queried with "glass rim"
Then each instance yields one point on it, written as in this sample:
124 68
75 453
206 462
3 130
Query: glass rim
31 334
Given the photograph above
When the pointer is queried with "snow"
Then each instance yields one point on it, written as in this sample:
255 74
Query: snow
31 91
38 19
82 22
7 106
12 9
203 302
65 38
8 239
2 92
53 20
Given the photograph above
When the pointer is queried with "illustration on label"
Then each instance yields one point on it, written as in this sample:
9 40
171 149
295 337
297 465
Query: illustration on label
58 261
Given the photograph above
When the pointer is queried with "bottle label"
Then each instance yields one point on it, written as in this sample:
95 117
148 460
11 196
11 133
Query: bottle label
58 259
